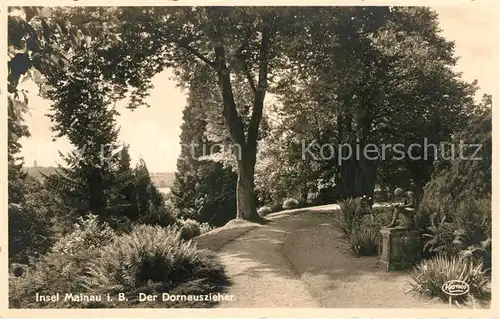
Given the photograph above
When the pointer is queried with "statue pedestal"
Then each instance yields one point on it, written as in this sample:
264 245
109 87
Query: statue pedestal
401 248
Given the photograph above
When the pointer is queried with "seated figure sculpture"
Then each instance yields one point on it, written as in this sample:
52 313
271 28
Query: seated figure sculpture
407 209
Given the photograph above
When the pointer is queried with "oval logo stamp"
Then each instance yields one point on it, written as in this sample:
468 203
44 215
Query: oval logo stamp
455 287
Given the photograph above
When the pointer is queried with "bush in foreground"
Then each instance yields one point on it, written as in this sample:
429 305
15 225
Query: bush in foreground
63 268
152 259
88 233
468 229
429 276
51 274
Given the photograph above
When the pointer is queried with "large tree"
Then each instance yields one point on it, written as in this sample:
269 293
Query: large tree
38 44
377 75
218 45
373 67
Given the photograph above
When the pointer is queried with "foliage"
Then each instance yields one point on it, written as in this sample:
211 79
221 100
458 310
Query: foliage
63 268
468 231
205 228
429 276
34 223
290 203
264 210
364 241
456 205
152 259
148 203
203 189
189 229
29 234
360 227
88 233
89 123
386 81
468 173
40 44
380 216
349 217
53 273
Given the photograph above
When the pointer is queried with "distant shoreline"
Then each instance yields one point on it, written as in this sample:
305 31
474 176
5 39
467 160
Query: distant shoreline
163 181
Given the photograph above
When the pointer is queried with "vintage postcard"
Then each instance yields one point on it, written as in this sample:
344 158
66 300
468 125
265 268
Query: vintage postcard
231 159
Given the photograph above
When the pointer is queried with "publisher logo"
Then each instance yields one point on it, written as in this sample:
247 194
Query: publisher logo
455 288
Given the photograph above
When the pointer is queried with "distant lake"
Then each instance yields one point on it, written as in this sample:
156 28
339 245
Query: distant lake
164 190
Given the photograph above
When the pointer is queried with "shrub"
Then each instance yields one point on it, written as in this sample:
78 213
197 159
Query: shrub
54 272
160 216
290 203
264 210
205 228
88 233
380 217
468 229
205 191
455 212
17 270
429 276
360 229
349 217
189 229
33 221
152 259
29 232
364 241
64 268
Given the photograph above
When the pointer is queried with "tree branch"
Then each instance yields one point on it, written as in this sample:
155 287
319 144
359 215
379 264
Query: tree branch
261 90
193 51
230 112
249 76
242 59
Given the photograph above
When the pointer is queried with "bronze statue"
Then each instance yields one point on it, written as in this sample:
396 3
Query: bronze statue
407 209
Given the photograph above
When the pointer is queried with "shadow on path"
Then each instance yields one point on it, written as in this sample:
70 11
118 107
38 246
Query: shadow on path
298 260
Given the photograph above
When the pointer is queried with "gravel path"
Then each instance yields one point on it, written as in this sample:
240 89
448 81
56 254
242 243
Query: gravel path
262 276
297 260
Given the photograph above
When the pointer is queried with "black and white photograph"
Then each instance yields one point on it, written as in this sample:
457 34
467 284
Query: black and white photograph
230 156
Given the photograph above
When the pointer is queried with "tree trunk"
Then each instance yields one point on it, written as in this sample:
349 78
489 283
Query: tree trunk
245 193
246 204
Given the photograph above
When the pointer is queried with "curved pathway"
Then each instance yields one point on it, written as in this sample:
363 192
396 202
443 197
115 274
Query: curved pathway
297 260
261 274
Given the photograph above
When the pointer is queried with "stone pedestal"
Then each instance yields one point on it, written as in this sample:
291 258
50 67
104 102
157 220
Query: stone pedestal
401 248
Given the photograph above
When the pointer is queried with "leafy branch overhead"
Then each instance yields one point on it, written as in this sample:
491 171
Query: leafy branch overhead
341 75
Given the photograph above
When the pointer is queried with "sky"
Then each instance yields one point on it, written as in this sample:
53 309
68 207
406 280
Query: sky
153 133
